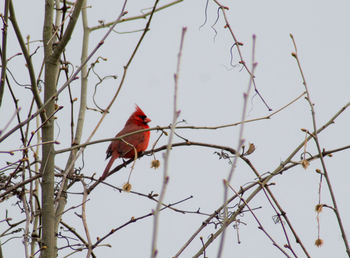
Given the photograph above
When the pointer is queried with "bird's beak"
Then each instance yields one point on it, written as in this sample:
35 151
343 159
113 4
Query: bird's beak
147 120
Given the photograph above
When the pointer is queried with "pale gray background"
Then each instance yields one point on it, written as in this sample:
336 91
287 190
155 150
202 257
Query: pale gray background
210 93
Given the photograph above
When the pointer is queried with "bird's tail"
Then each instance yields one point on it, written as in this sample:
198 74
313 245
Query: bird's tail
108 167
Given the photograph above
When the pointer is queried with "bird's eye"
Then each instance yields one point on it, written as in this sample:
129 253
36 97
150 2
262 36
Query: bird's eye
143 117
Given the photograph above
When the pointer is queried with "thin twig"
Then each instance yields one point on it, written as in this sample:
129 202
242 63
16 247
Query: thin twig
176 114
28 147
268 194
83 217
238 44
132 220
74 232
33 82
143 16
261 227
239 145
10 120
26 228
4 49
317 142
14 187
207 221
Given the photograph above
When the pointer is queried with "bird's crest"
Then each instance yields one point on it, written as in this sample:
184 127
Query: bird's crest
138 111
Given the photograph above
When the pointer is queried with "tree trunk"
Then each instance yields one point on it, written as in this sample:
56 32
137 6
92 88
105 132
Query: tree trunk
48 159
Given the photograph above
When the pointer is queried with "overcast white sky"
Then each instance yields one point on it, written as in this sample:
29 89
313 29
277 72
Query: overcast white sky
210 93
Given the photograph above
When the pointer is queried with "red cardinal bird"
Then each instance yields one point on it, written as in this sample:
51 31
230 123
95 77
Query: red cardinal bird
119 149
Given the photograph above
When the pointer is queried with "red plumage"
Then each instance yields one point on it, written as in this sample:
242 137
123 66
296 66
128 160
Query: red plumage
119 149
